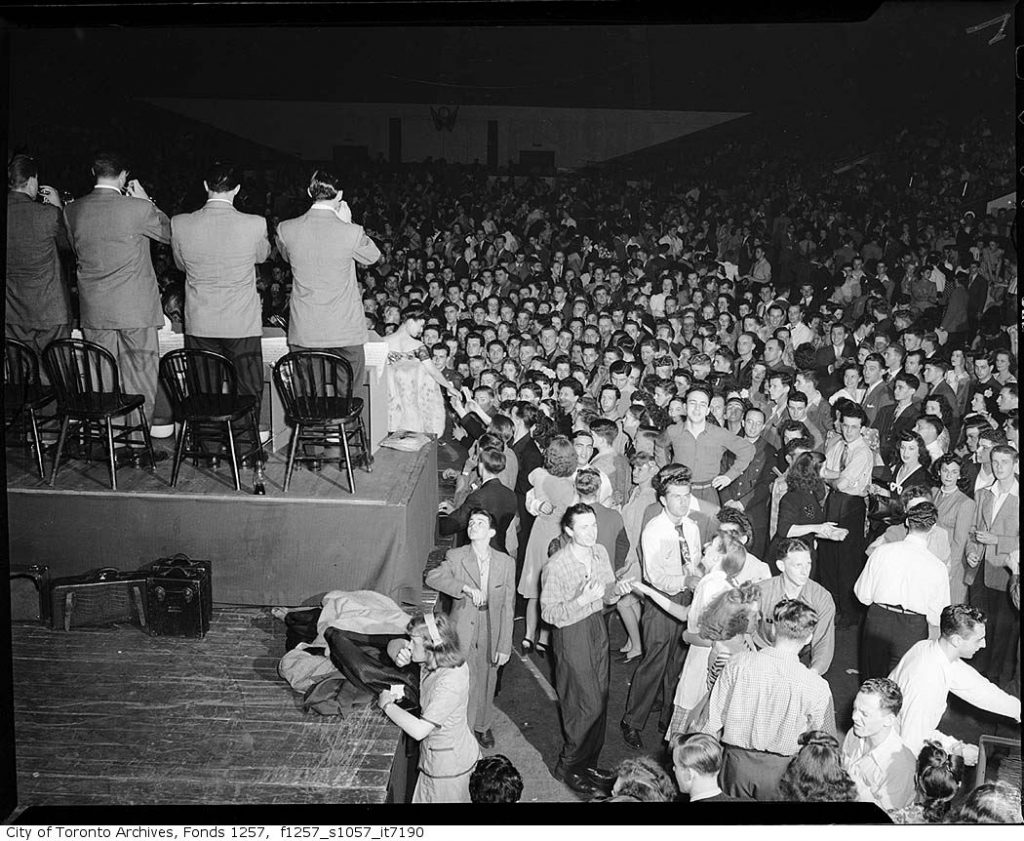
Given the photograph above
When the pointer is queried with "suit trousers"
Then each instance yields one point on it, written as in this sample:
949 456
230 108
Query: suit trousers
840 562
137 351
581 680
246 354
355 355
658 671
483 674
887 637
997 660
38 338
751 773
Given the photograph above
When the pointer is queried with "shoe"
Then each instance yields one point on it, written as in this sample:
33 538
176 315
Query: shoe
485 739
526 645
631 736
579 783
541 648
631 657
264 436
601 777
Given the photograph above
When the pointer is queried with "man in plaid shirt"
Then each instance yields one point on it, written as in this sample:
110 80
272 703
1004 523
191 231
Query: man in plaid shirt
764 700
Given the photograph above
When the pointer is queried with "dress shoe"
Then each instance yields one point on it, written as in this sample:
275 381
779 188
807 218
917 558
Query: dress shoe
485 739
601 777
631 736
579 783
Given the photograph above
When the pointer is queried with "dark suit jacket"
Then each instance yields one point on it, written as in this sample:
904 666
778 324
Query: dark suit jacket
491 496
753 486
826 355
880 396
889 430
530 457
110 235
218 247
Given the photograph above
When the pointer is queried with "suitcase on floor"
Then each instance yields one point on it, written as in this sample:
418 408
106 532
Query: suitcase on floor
180 597
30 592
105 596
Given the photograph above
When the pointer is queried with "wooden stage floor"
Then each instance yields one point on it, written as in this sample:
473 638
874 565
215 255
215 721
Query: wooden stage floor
116 717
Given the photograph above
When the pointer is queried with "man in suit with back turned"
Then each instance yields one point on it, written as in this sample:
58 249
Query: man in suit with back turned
323 246
217 247
117 290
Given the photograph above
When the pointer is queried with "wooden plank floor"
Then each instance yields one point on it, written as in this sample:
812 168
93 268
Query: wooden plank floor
114 716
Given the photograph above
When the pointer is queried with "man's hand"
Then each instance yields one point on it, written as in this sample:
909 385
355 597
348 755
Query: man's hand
476 594
500 659
136 190
445 507
404 657
973 559
986 538
385 698
51 196
969 753
591 592
720 482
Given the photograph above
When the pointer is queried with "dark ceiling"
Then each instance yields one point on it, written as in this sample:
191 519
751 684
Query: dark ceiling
905 55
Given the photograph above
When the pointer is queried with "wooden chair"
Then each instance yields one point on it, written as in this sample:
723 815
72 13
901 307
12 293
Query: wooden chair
203 390
24 396
316 392
87 385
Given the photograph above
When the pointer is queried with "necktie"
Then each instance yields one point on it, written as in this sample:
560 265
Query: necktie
842 456
684 547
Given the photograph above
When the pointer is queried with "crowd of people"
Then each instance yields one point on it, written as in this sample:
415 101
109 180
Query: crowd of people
736 408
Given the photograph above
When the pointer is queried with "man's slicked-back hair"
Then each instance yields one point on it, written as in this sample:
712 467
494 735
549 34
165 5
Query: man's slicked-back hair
890 698
221 177
699 752
323 185
109 164
20 170
794 619
959 619
671 474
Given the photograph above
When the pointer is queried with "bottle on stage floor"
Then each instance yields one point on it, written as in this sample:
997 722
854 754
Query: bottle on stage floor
259 487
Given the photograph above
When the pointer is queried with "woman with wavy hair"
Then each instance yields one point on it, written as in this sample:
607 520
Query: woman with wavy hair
448 751
910 467
801 511
552 490
816 773
938 778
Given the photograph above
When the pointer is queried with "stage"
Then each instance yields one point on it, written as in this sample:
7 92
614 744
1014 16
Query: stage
114 717
276 549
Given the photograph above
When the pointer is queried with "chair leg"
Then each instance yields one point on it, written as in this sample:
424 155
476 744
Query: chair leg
257 444
85 439
367 457
60 448
36 442
292 449
234 455
179 449
348 459
149 441
112 461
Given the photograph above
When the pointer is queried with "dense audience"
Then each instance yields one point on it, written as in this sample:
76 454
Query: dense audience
738 404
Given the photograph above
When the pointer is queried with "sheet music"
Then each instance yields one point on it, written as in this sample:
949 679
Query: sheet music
376 354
